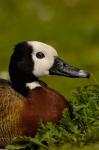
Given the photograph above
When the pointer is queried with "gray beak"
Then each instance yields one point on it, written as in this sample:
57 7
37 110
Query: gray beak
62 69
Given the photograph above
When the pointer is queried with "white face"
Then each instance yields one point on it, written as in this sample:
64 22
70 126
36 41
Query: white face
43 57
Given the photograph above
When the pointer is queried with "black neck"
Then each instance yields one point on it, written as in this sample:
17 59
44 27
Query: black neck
19 82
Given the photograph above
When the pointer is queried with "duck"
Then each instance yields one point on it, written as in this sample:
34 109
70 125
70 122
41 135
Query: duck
26 100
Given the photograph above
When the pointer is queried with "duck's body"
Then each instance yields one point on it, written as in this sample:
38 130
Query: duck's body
20 116
26 100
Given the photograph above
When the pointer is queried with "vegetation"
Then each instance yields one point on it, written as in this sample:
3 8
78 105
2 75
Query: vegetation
77 131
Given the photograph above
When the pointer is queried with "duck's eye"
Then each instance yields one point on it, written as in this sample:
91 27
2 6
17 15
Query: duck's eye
40 55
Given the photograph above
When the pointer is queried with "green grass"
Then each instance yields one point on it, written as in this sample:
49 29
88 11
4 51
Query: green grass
79 131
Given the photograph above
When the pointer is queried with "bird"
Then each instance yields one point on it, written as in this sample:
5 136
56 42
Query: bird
26 100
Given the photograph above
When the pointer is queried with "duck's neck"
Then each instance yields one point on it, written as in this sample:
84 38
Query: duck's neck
24 83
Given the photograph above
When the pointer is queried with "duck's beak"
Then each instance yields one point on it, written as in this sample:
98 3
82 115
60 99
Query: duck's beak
62 69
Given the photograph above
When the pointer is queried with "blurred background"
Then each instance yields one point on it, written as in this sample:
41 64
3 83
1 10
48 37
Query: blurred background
71 26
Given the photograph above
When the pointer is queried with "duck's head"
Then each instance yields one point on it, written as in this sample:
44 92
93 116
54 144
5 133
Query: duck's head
33 59
39 59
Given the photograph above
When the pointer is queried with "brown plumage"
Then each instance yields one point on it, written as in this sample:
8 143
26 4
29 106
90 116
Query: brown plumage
11 104
20 116
43 104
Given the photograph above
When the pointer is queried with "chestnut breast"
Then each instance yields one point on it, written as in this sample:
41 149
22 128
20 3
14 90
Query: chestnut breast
20 115
43 104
